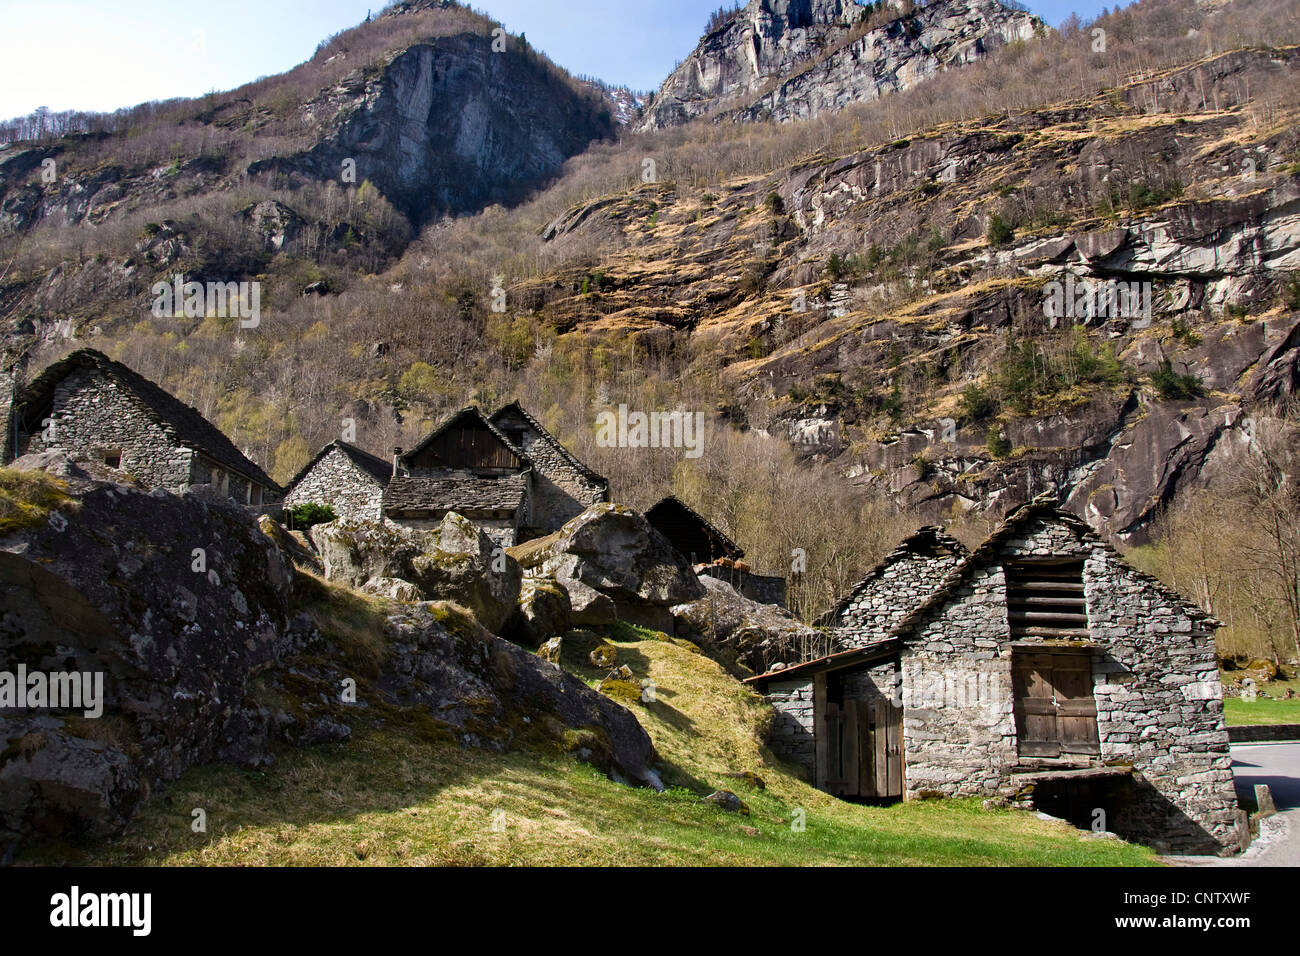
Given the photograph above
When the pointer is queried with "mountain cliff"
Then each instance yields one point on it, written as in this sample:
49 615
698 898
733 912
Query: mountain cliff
795 59
433 105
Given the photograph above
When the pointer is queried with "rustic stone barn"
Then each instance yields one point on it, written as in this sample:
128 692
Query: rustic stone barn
1042 669
96 409
712 552
561 486
349 480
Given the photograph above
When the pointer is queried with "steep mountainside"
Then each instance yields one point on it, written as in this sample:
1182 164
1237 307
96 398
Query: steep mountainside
432 104
866 290
448 126
795 59
854 298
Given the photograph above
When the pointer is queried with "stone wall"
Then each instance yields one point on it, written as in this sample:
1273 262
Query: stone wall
205 471
872 683
8 386
882 601
502 531
763 588
791 735
336 480
93 418
559 490
1155 680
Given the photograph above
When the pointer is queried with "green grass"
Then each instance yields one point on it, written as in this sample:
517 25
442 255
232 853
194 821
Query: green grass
389 796
27 498
1264 710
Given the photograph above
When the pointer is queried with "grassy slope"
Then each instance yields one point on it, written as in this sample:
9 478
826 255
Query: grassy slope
389 798
1264 710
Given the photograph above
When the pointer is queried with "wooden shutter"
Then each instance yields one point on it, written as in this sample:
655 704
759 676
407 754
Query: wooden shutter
1046 599
1055 710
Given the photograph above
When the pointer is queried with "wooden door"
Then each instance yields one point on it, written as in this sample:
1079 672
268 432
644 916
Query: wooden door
881 772
862 754
1056 713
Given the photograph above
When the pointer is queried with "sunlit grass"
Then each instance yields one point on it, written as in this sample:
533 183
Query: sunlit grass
388 798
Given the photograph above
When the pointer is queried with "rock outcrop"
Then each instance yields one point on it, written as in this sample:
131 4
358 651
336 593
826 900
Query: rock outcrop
176 604
544 611
736 630
614 566
456 562
206 645
794 59
449 126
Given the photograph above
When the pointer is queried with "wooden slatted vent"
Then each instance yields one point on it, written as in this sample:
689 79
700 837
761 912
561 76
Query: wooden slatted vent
1045 599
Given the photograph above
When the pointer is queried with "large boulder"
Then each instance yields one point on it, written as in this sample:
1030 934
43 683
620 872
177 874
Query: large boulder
170 606
467 567
495 694
543 612
737 630
354 552
294 549
454 562
614 565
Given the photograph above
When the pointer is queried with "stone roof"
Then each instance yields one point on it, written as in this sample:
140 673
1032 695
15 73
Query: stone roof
373 465
475 413
932 540
1044 507
181 422
550 440
464 495
668 502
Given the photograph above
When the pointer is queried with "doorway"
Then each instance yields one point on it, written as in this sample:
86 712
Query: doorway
860 745
1056 713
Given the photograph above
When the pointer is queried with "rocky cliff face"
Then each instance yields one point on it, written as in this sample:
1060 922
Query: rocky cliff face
450 126
866 367
443 126
794 59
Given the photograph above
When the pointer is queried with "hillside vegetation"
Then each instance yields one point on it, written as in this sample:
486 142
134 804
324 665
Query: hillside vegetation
393 797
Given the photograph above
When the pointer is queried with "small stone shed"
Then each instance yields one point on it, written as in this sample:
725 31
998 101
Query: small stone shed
93 408
711 551
343 476
1041 669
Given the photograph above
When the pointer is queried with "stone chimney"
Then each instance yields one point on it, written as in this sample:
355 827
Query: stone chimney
397 459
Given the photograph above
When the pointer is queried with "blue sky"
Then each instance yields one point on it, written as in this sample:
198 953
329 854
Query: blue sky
91 55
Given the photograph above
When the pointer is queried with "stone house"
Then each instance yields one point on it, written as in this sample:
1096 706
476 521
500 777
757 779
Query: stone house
506 473
95 409
561 486
693 536
711 552
468 466
349 480
1041 670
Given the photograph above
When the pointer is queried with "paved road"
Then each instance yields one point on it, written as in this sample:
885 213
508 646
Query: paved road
1277 765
